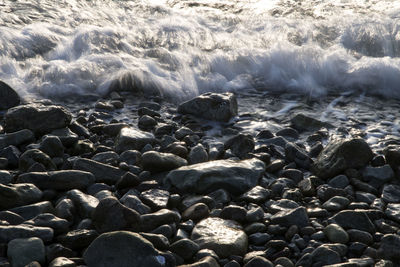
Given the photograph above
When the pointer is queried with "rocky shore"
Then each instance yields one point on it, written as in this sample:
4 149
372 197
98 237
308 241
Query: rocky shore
137 182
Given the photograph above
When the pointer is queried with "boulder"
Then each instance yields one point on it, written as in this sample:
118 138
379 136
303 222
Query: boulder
211 106
234 176
9 98
38 118
342 154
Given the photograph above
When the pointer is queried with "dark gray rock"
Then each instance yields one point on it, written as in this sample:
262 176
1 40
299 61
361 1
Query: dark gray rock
185 248
287 218
16 138
111 215
5 177
38 118
10 232
225 237
392 156
131 157
336 234
196 212
159 241
240 145
132 139
340 181
211 106
158 162
66 136
342 154
77 239
84 203
360 236
197 154
103 173
9 97
123 249
325 256
58 180
133 202
359 220
336 203
377 176
22 251
391 193
49 220
295 154
389 248
62 262
234 176
32 156
108 157
32 210
155 198
163 216
258 261
302 122
14 195
12 154
393 211
257 194
234 212
52 146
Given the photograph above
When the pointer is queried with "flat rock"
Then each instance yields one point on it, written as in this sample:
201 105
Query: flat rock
38 118
16 138
234 176
103 173
132 139
359 220
14 195
22 251
342 154
287 218
302 122
58 180
32 210
154 161
155 198
10 232
9 97
224 237
122 249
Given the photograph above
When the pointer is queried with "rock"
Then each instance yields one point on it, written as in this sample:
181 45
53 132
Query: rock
10 232
38 118
146 122
16 138
302 122
108 157
287 218
66 136
5 177
155 198
14 195
9 97
22 251
391 193
240 145
359 220
131 139
393 211
234 176
389 248
197 154
204 262
49 220
257 194
58 180
185 248
196 212
258 261
111 215
392 156
133 202
155 219
158 162
62 262
128 180
11 217
211 106
336 234
32 210
295 154
52 146
32 156
224 237
77 239
84 203
103 173
360 236
233 212
378 176
342 154
340 181
122 249
131 157
336 203
325 256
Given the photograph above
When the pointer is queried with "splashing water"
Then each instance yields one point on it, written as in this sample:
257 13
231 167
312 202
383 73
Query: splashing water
179 49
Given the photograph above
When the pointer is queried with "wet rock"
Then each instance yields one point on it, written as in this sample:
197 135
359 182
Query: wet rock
295 154
103 173
109 157
131 157
196 212
325 256
155 198
360 236
163 216
257 194
11 217
258 261
185 248
158 162
222 236
111 215
9 97
204 262
38 118
287 218
146 122
211 106
302 122
122 249
16 138
342 154
52 146
62 262
10 232
77 239
58 180
14 195
392 156
66 136
240 145
22 251
49 220
5 177
131 139
336 203
234 212
391 193
359 220
336 234
234 176
393 211
159 241
133 202
197 154
32 210
340 181
84 203
32 156
378 176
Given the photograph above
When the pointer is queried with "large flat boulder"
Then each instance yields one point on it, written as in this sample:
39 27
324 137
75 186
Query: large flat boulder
40 119
342 154
236 177
211 106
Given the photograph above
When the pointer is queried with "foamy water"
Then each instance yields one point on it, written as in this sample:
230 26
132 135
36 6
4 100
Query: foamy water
182 48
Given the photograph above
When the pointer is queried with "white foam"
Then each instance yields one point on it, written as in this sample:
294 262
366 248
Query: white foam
182 48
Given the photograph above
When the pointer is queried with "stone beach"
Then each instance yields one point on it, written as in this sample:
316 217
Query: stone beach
220 180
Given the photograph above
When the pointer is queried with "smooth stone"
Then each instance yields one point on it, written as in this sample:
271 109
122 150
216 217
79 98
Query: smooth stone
392 156
391 193
52 146
234 212
77 239
84 203
38 118
9 97
159 241
287 218
393 211
234 176
131 157
378 176
155 198
158 218
303 122
108 157
122 249
10 232
22 251
12 154
16 138
103 173
360 236
133 202
111 215
197 154
59 225
336 203
240 145
342 154
5 177
66 136
32 156
185 248
32 210
325 256
211 106
257 194
359 220
258 261
55 250
196 212
62 262
294 153
204 262
224 237
340 181
154 161
58 180
132 139
389 247
11 217
336 234
14 195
